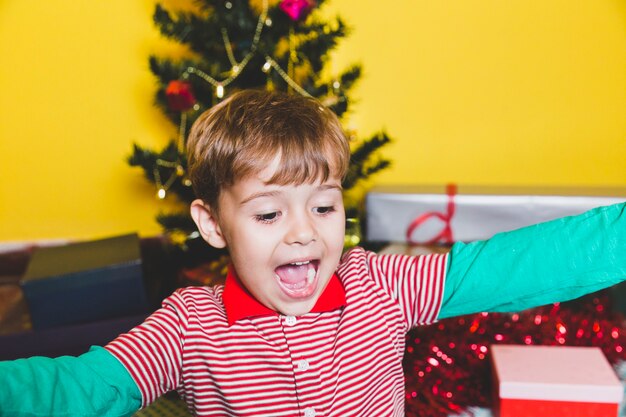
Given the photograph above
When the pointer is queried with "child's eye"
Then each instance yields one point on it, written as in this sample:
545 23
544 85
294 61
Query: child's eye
324 210
267 217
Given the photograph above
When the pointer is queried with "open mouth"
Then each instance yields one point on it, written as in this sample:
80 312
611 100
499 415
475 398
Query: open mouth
298 279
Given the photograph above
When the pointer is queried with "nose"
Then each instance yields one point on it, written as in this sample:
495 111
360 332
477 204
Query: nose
301 230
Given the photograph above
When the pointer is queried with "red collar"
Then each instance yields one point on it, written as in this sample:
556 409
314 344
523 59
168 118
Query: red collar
239 303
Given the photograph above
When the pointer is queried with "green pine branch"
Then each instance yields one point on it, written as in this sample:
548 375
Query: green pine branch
361 164
148 160
176 221
319 40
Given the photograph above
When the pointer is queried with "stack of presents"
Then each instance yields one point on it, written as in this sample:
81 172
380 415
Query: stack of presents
88 292
533 381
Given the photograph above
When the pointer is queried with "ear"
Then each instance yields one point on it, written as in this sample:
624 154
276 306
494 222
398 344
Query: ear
208 226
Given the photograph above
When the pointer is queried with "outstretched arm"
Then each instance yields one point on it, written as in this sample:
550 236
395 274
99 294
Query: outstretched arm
93 384
549 262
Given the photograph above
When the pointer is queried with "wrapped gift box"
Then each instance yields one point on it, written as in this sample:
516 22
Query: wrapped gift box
549 381
479 212
84 282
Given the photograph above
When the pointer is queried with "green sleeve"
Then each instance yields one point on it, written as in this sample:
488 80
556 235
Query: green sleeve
93 384
549 262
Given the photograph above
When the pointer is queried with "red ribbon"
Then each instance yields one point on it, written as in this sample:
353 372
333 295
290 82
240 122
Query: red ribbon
445 236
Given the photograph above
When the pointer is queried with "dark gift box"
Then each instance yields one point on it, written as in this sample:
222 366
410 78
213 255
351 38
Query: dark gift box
84 282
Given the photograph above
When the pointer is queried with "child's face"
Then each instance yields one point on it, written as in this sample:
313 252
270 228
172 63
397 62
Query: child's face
285 241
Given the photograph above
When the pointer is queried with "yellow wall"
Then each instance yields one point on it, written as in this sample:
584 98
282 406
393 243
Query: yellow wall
481 92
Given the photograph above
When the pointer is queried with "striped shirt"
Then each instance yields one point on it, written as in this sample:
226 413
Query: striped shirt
342 362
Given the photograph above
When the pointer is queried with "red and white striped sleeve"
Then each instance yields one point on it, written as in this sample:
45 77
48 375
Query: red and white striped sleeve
415 282
152 351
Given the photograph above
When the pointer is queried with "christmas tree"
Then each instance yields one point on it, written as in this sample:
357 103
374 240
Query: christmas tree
241 44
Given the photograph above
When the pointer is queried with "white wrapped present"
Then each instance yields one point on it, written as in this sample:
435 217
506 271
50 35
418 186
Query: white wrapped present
467 213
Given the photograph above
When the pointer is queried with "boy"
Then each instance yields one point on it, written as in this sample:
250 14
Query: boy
297 329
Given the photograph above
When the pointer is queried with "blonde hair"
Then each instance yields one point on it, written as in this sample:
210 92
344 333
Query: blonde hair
243 134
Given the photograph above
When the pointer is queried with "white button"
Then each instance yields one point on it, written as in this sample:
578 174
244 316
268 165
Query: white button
303 365
309 412
290 320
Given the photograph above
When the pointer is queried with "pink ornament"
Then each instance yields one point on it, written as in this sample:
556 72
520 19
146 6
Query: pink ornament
297 9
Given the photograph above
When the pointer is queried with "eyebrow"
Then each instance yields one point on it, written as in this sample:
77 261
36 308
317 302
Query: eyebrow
325 187
258 195
261 194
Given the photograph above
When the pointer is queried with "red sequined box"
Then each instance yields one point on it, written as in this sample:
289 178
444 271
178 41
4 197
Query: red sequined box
550 381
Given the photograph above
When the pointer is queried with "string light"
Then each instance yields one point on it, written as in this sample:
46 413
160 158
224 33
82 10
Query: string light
162 188
229 49
236 67
286 77
176 166
181 132
292 53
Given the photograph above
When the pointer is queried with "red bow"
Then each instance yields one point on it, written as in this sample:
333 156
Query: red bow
445 236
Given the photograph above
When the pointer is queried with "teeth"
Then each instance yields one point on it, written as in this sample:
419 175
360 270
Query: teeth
310 275
301 263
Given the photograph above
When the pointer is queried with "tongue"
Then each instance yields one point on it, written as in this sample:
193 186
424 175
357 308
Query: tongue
293 274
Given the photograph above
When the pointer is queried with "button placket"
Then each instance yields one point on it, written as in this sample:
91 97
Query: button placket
288 323
298 330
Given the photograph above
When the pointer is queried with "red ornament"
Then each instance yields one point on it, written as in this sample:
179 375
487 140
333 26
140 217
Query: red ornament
297 9
179 95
